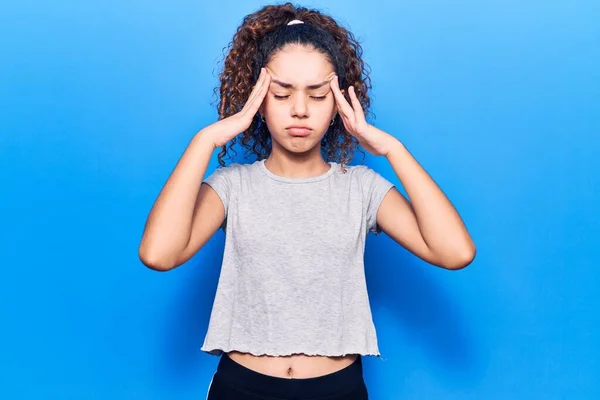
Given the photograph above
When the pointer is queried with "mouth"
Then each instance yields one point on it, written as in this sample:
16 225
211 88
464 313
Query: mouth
298 131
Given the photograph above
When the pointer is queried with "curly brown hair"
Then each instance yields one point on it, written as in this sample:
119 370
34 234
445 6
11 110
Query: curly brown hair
257 39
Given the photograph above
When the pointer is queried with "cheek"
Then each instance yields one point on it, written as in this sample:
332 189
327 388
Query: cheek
325 112
274 108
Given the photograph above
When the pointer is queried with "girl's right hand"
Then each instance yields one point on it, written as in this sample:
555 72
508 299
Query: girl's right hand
228 128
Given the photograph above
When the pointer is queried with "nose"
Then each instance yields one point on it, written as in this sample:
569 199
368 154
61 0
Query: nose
300 106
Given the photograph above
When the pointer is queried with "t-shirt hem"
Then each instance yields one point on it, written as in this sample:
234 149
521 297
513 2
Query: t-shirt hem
217 351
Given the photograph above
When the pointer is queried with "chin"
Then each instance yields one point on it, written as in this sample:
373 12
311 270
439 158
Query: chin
297 145
301 144
301 149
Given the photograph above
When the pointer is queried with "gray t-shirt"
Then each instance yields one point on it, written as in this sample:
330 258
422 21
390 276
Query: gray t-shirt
292 279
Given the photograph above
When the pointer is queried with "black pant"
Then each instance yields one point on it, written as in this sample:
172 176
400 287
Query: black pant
233 381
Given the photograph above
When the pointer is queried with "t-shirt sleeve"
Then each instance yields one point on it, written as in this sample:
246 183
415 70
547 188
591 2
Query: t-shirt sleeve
374 188
221 182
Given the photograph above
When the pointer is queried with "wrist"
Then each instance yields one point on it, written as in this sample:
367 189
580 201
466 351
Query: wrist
395 147
205 137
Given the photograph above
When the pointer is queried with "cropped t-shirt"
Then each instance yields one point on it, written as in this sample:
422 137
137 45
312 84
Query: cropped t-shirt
292 279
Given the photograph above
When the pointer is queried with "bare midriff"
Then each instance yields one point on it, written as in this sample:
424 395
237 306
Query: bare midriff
296 366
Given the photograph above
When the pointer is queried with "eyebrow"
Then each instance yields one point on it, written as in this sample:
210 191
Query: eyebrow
290 86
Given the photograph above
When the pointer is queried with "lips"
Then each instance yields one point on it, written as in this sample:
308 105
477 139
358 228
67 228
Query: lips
299 131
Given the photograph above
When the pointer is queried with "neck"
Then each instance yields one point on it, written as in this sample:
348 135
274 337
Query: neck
296 165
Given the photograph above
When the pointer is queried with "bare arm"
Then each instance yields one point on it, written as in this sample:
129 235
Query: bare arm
428 225
168 231
186 213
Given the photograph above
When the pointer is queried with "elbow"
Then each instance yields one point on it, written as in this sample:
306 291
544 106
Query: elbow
154 262
461 259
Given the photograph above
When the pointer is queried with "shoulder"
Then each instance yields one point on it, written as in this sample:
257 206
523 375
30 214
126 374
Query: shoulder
231 170
371 182
360 172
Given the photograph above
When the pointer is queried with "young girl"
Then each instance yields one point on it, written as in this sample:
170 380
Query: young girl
291 315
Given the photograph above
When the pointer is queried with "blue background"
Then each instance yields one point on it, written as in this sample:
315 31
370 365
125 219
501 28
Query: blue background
498 100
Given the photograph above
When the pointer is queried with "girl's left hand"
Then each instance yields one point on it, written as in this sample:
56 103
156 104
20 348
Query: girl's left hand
375 141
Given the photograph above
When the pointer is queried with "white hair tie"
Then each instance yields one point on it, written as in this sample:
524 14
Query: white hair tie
294 22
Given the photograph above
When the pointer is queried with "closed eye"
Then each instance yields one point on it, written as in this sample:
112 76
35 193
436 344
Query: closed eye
318 98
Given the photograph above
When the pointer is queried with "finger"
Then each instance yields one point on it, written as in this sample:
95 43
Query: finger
257 86
264 88
335 89
256 92
259 97
339 97
358 110
344 108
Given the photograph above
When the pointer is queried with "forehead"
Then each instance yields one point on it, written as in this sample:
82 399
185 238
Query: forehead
300 65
